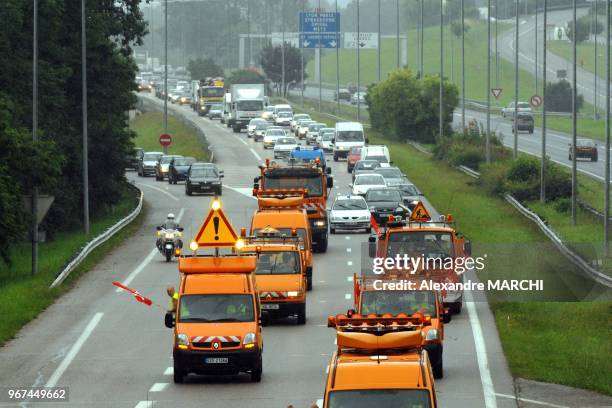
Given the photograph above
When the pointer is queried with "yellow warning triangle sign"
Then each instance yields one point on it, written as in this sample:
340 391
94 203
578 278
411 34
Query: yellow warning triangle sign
216 231
420 213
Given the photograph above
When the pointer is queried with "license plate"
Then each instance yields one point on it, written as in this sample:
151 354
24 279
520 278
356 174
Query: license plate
216 360
269 306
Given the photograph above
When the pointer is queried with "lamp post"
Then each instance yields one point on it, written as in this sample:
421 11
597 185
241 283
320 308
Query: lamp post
544 97
34 199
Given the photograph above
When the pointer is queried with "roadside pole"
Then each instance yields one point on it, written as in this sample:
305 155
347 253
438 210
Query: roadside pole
607 165
421 30
441 112
397 31
35 138
84 113
516 79
165 70
596 116
358 66
574 122
318 51
487 147
536 47
462 66
544 97
302 61
337 65
282 47
378 62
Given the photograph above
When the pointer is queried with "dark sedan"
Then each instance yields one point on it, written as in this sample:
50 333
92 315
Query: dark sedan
135 158
384 202
178 169
410 195
203 178
585 149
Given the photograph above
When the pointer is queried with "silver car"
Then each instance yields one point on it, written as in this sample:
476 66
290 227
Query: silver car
349 212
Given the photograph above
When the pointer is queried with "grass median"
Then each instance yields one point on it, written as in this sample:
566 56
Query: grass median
24 296
185 140
539 337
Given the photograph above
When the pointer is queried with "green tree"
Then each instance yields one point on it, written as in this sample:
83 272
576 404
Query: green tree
201 68
559 97
584 27
246 76
271 62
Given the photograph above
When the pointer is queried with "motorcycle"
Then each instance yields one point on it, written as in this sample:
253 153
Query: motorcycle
169 242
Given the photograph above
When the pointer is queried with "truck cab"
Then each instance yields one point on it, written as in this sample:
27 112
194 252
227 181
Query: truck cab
248 102
379 362
281 274
217 324
288 219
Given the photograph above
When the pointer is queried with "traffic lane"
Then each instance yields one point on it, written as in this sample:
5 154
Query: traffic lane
40 347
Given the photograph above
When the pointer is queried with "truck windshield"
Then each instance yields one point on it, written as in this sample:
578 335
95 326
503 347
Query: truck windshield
301 233
391 398
216 308
278 263
395 301
212 92
430 244
349 136
250 105
313 183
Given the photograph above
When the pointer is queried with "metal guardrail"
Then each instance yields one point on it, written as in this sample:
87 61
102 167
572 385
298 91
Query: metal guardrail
594 212
97 241
469 172
568 253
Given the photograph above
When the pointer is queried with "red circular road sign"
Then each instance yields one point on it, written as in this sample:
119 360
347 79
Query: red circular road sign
535 101
165 139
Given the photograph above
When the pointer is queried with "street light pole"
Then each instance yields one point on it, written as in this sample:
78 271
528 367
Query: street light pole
282 47
607 154
165 70
462 65
516 79
84 112
545 101
337 64
596 116
249 33
421 29
397 31
34 200
536 46
487 147
378 63
358 66
441 112
574 118
302 59
496 49
318 50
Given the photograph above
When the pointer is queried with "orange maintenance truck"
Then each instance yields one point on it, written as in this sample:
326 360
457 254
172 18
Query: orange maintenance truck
286 215
372 297
281 274
436 244
217 327
379 363
310 180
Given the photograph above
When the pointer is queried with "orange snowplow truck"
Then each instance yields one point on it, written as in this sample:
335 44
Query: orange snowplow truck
379 363
217 327
281 274
438 246
371 297
308 179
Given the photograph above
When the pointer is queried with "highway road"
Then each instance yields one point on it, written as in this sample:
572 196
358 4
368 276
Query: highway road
557 143
114 352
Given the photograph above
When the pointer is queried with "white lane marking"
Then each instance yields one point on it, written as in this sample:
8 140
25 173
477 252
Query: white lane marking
241 140
169 371
158 387
59 371
160 190
348 249
144 404
347 296
255 154
347 237
242 190
322 301
349 263
481 353
147 260
349 278
547 404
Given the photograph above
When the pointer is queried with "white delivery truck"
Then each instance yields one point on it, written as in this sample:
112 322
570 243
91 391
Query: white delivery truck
248 102
348 134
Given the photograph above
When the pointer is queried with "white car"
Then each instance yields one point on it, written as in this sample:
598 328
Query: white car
358 98
267 113
349 212
302 128
252 125
296 118
284 146
364 182
271 136
283 118
313 132
326 142
508 111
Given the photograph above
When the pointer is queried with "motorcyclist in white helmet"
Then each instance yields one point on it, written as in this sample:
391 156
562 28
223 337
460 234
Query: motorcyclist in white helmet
169 224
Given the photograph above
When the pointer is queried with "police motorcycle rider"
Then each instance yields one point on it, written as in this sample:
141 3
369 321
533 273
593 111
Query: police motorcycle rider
169 230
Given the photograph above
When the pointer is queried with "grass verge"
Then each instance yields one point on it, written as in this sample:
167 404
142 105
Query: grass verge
24 296
537 335
185 141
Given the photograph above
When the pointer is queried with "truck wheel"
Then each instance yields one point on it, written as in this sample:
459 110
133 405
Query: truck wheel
188 191
179 375
322 244
438 370
219 191
301 316
332 230
236 129
257 370
168 256
335 157
456 307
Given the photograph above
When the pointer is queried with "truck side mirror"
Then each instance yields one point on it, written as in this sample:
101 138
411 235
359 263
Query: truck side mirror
372 246
467 248
367 140
255 186
169 320
446 316
330 182
328 170
333 140
158 228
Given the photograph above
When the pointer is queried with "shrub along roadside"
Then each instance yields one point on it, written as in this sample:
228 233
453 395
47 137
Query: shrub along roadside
534 335
24 296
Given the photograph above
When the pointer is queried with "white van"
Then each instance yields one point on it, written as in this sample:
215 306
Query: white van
348 134
380 153
281 108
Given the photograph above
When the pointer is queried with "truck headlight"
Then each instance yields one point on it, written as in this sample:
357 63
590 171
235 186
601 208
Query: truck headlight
294 293
249 340
319 223
432 334
182 341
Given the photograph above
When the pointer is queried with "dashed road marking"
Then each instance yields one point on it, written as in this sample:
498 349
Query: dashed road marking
144 404
347 237
547 404
349 278
246 191
169 371
172 196
322 301
349 250
349 263
257 156
348 296
158 387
